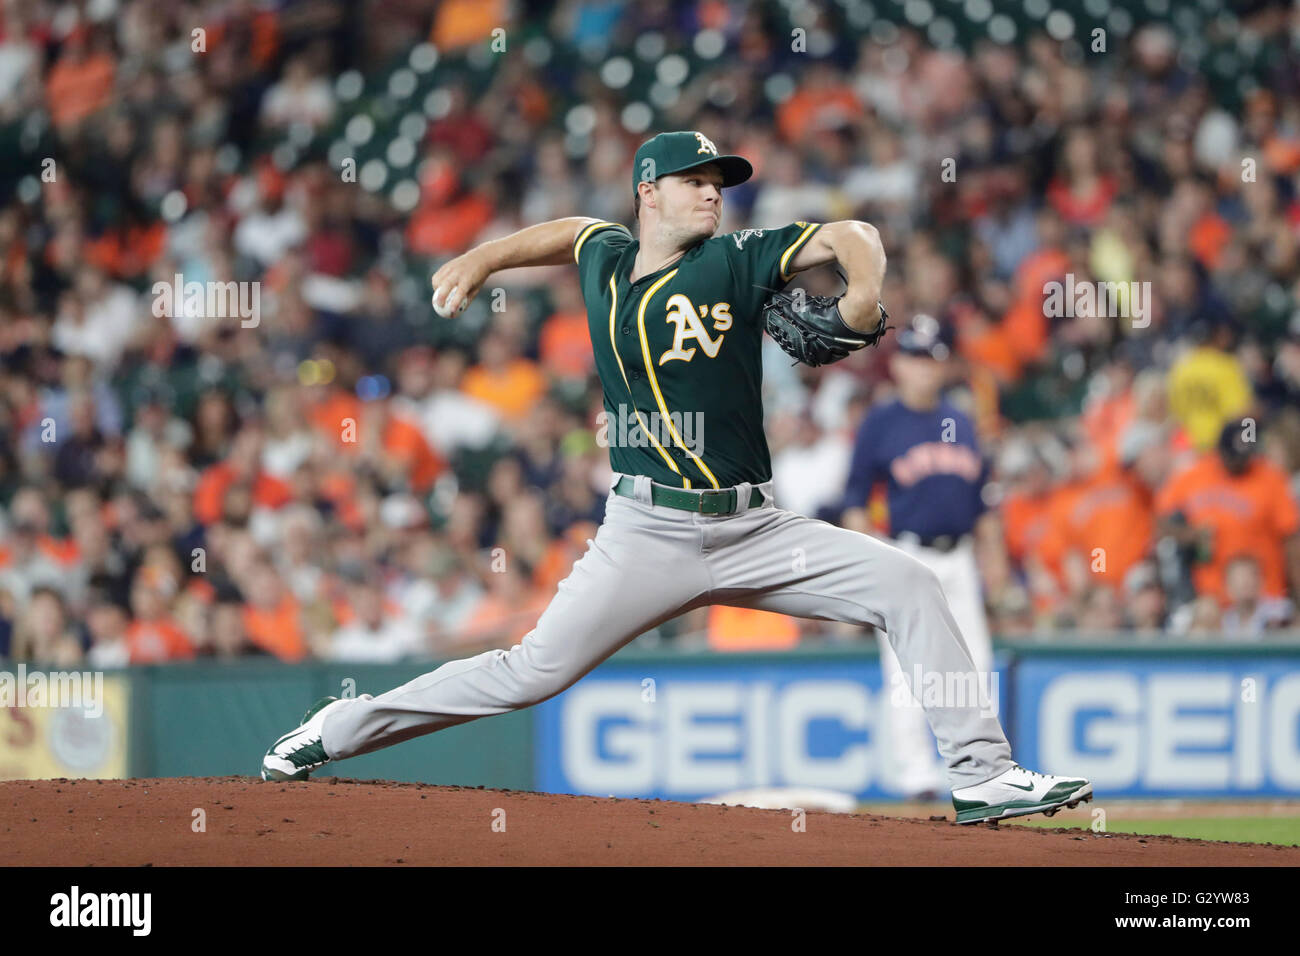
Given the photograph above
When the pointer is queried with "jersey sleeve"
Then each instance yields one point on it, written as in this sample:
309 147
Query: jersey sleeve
596 247
760 258
864 467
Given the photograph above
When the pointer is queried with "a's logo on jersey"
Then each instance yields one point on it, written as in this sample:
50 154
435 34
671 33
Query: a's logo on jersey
706 145
682 313
740 237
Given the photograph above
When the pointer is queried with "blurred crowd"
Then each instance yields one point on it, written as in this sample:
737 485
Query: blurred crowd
339 474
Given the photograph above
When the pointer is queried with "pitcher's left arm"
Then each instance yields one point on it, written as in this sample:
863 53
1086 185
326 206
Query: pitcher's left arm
856 246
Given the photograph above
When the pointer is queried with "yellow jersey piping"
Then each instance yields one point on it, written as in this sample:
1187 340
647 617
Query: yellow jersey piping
613 309
654 382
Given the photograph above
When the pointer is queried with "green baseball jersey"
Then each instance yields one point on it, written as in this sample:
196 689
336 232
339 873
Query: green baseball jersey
679 351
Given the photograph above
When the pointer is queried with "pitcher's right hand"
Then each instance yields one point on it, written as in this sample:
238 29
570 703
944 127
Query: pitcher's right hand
457 282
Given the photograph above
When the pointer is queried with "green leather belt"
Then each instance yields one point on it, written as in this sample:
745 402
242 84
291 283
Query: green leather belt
720 502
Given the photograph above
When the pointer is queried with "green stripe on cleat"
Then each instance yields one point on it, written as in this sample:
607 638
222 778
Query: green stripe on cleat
1063 795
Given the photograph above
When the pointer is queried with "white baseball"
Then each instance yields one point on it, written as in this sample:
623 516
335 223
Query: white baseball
442 298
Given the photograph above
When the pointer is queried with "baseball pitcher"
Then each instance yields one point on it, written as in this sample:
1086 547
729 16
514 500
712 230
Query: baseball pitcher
677 316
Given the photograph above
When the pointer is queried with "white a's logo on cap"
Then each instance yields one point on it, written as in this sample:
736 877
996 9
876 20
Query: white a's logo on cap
706 145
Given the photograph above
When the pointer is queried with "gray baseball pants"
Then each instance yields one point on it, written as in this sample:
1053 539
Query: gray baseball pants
649 564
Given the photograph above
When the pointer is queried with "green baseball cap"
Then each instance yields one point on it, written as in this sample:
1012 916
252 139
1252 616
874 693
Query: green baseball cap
674 152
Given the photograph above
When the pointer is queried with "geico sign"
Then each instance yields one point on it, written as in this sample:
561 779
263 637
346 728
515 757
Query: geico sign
703 737
1172 731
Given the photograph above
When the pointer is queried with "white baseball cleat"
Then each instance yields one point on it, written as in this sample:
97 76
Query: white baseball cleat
295 755
1018 792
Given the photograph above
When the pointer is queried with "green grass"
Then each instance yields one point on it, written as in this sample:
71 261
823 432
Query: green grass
1284 830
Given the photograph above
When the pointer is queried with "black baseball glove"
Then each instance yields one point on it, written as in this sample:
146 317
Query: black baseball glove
810 328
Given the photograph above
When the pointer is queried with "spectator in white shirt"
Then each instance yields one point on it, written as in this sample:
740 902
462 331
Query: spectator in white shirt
272 229
1249 614
889 178
450 419
98 320
788 196
298 98
375 635
810 467
107 622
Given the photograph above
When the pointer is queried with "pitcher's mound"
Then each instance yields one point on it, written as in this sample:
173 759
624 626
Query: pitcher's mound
241 821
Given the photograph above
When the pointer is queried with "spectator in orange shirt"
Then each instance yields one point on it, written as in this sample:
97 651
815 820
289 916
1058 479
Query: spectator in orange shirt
407 451
451 214
1100 523
1107 415
1234 502
153 637
1026 508
241 470
749 629
272 618
985 344
80 83
1210 234
560 556
822 102
330 486
564 345
460 23
1025 324
1081 192
334 412
377 432
508 612
502 378
252 34
403 455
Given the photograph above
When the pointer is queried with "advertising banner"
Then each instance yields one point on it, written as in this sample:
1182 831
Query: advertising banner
687 728
1162 726
63 724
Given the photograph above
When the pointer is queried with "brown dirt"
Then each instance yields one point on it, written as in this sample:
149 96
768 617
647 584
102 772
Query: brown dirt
374 823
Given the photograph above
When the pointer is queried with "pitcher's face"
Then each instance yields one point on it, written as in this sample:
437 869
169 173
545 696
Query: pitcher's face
690 202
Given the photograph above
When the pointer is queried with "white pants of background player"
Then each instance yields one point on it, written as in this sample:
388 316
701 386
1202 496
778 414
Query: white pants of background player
912 758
